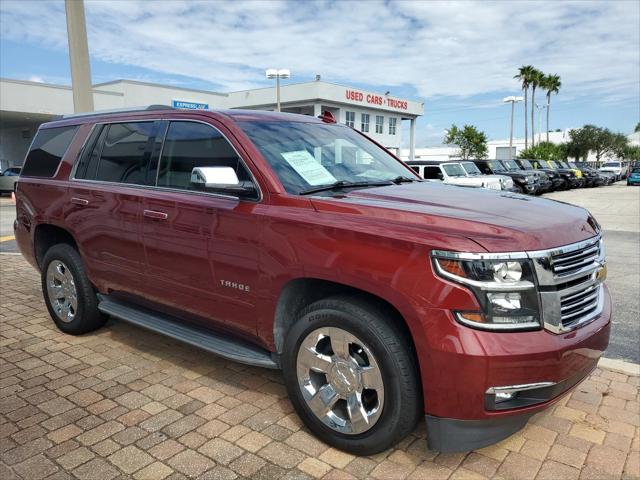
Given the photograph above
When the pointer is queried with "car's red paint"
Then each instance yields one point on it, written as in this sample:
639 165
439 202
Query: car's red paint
376 240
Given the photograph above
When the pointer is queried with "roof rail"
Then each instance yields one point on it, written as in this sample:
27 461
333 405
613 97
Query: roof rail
118 110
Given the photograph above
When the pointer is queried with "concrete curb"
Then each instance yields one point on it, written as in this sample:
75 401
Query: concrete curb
620 366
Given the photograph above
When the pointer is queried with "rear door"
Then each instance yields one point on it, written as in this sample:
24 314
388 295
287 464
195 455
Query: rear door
201 248
118 162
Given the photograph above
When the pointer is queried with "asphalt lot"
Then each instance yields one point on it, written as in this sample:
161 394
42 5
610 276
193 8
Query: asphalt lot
616 207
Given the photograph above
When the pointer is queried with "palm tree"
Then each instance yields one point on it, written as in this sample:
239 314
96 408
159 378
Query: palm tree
536 78
524 75
552 84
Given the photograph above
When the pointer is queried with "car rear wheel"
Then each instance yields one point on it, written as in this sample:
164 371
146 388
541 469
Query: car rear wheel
351 376
68 294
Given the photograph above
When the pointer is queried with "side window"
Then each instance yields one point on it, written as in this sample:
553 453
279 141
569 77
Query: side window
432 173
126 153
47 150
188 145
91 154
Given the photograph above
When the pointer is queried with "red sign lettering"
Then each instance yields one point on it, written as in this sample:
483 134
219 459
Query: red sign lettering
376 100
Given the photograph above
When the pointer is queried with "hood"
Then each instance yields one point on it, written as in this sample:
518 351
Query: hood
498 221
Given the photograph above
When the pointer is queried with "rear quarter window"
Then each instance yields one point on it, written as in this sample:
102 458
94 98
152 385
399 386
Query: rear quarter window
47 150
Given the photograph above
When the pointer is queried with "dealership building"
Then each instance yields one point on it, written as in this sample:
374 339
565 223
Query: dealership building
24 105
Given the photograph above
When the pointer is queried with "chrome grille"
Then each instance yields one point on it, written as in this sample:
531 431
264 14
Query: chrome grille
571 292
577 305
574 261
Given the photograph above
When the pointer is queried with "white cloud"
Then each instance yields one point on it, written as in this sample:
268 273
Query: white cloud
439 48
36 78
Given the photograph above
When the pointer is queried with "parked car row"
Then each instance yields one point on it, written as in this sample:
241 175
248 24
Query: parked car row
533 177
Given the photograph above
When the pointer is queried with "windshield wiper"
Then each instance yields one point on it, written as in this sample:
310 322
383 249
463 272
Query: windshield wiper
344 184
403 179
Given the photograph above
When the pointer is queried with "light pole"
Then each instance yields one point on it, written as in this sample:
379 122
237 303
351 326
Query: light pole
276 73
540 108
79 57
512 100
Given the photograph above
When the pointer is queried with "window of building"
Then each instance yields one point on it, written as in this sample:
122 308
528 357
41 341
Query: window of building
126 153
379 124
393 124
47 151
189 145
364 122
351 119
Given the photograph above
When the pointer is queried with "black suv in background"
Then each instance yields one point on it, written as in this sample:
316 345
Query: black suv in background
557 182
543 184
591 177
607 178
569 176
527 182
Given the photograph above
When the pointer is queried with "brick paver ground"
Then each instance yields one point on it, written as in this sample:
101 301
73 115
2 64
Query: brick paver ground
126 403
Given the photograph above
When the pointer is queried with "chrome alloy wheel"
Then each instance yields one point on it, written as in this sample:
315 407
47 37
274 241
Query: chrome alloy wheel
340 380
61 290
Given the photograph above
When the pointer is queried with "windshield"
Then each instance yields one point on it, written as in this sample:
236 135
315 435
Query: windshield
308 155
612 164
553 164
496 166
454 170
510 165
526 164
471 168
572 165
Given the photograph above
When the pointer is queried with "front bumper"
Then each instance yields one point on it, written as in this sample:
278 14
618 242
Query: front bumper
466 363
558 183
529 188
633 180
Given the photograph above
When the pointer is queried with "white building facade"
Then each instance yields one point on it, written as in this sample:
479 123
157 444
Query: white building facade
24 105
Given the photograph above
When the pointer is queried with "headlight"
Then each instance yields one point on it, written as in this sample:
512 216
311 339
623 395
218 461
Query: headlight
504 288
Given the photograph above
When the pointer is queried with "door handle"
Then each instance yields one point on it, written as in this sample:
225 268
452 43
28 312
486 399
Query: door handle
154 214
80 201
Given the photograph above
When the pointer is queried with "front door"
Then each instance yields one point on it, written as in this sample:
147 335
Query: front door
201 248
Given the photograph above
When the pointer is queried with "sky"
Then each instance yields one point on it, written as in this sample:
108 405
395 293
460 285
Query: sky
457 57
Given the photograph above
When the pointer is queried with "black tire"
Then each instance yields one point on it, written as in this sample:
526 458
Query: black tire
87 317
394 355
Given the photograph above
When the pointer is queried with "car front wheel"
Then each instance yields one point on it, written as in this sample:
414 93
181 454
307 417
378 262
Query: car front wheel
352 376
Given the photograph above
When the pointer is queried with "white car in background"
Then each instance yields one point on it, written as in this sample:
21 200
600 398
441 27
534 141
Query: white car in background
452 173
619 169
506 182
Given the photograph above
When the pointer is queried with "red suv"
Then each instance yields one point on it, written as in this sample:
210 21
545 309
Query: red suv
293 242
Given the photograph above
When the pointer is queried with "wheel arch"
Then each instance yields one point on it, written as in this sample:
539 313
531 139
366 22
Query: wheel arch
47 235
301 292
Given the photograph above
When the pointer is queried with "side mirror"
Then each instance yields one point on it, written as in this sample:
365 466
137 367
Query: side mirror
221 180
440 176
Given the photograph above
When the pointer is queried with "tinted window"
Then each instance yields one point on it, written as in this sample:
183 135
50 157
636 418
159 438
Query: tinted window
88 162
126 153
432 173
47 151
189 145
